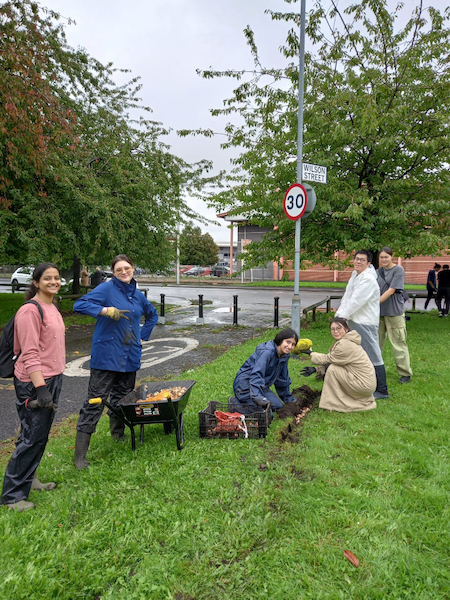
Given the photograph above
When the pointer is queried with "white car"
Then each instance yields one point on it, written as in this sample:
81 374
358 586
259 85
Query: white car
23 275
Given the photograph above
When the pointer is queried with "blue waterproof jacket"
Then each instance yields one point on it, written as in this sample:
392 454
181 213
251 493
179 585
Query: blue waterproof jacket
263 369
116 345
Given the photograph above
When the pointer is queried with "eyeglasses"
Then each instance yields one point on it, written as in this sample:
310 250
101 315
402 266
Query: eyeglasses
361 260
334 329
124 270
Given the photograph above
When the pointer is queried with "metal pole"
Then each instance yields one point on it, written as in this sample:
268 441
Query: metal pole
296 305
276 312
235 310
162 311
200 319
178 257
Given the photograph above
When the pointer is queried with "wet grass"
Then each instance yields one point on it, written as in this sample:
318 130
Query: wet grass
253 519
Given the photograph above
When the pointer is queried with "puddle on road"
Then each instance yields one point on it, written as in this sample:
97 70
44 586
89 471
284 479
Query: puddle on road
225 309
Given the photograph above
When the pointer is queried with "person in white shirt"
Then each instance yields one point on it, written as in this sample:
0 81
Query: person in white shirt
360 305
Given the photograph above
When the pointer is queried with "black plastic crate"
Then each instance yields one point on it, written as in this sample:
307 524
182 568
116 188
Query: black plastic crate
257 423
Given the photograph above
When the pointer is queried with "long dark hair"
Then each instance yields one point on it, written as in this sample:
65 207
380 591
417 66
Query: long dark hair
285 334
37 274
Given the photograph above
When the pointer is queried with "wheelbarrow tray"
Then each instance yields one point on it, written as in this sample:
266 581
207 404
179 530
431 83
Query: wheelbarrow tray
168 411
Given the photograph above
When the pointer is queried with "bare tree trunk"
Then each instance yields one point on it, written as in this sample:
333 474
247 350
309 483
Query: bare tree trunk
76 269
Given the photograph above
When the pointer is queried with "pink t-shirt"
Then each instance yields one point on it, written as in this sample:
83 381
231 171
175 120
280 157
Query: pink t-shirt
41 343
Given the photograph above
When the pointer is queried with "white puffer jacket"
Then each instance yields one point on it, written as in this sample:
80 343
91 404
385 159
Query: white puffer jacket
361 299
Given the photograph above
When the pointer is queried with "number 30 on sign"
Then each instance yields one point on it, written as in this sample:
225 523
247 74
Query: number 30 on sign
295 202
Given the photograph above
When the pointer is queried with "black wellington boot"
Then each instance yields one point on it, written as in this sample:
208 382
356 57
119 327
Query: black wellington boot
381 392
81 447
117 428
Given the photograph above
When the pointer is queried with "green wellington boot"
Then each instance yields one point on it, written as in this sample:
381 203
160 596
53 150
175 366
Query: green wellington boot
21 505
42 487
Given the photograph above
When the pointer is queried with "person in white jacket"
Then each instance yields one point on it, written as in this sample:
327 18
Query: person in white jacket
360 305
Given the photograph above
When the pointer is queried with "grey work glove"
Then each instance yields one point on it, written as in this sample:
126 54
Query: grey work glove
44 399
307 371
306 351
114 313
261 402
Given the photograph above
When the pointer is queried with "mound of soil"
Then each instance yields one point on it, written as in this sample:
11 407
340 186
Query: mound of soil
304 398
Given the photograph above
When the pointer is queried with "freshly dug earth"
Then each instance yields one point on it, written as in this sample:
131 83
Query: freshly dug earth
306 399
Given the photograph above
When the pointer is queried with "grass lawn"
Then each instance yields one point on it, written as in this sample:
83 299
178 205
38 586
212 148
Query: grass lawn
251 519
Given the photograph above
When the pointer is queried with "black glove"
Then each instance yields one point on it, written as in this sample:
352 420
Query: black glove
261 401
44 398
307 371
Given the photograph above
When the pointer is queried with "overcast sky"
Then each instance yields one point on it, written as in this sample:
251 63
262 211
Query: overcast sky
165 41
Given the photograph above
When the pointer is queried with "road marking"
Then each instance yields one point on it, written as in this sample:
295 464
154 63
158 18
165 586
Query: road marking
153 353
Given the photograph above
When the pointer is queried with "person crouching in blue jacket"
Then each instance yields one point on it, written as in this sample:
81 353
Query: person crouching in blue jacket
267 366
116 348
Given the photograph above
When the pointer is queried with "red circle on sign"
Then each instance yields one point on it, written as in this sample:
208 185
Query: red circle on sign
295 202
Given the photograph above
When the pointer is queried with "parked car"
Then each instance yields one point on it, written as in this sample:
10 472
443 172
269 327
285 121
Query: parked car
220 271
23 275
195 271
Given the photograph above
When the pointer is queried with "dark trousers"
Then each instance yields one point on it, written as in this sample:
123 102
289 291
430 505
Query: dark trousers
443 293
103 384
431 294
35 424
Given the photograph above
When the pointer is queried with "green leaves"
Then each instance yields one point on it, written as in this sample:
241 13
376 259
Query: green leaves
79 177
376 113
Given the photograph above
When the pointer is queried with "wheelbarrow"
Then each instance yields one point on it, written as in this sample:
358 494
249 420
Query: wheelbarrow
169 411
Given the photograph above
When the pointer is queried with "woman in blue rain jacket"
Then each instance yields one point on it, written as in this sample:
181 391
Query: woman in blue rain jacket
118 306
267 366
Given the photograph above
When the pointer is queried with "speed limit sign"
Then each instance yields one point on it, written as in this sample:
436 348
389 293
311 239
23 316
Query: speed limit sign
295 202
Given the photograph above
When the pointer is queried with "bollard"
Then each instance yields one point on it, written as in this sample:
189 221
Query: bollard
200 319
328 305
235 310
414 301
276 311
162 310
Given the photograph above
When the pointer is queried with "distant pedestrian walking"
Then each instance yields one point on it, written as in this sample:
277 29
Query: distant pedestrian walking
443 292
432 284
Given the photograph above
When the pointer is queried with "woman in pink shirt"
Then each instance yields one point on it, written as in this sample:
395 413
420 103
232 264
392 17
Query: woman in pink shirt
39 342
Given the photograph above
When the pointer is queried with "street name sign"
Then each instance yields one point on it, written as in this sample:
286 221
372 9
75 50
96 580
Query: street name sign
315 173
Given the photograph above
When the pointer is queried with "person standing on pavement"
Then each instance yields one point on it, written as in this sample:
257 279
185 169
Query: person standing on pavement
40 345
443 291
391 281
118 306
432 285
360 306
267 366
84 277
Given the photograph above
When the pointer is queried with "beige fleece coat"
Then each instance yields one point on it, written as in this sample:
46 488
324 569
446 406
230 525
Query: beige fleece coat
350 379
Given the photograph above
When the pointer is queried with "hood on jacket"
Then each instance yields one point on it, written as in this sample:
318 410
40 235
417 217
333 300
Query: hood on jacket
353 336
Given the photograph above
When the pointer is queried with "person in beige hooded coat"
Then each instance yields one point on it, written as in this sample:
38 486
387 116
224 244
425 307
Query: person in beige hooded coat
350 379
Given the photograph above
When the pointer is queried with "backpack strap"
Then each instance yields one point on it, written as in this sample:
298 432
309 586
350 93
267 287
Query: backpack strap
39 307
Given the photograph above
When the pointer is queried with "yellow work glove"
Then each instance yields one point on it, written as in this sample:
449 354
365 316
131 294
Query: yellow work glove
303 346
114 313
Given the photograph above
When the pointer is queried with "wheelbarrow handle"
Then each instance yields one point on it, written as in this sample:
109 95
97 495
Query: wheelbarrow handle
95 401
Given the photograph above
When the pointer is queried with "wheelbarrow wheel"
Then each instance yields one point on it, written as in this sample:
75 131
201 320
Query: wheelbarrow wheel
168 428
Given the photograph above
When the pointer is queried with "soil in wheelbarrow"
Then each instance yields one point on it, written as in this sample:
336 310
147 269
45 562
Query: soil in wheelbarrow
305 400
